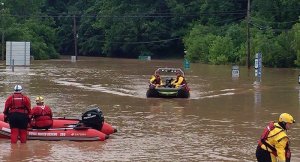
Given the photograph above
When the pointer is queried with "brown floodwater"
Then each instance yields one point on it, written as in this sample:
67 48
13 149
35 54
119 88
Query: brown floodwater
221 121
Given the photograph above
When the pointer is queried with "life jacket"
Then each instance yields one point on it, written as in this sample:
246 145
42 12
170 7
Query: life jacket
157 80
267 137
183 81
42 117
17 104
288 153
41 113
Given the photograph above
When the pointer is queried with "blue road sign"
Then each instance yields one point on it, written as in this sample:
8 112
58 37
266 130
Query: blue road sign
258 65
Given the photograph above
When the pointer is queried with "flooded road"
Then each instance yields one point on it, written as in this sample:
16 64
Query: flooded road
221 121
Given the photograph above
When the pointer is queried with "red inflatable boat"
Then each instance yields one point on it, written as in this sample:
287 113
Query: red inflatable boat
66 122
69 129
56 134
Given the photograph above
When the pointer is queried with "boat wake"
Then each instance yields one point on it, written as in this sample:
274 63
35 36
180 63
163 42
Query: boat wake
91 87
215 94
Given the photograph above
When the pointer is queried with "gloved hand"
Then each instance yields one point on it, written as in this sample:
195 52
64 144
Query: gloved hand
5 118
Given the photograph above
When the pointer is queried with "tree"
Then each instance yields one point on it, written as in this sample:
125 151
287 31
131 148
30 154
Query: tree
296 42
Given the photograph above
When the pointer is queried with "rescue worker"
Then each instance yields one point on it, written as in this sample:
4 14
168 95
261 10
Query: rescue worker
179 80
273 145
156 80
16 111
41 115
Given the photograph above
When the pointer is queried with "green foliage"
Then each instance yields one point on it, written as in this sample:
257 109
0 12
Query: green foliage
39 32
276 50
211 31
276 14
197 43
128 31
221 51
23 7
203 44
229 11
65 36
42 38
295 43
237 34
241 54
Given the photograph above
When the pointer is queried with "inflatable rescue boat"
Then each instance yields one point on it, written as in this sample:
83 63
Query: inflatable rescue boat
91 127
167 90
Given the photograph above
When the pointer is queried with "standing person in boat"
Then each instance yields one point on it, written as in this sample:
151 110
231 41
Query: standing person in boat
41 115
179 80
273 145
16 111
156 80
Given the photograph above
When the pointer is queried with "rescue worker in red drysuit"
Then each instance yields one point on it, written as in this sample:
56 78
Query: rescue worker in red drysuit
41 115
274 143
16 111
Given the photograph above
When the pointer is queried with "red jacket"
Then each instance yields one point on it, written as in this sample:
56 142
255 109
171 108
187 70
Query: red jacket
41 116
17 102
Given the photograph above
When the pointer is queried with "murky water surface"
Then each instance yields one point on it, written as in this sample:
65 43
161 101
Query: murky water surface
221 121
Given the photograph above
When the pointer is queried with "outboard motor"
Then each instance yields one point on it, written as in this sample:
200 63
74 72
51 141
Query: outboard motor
168 82
93 118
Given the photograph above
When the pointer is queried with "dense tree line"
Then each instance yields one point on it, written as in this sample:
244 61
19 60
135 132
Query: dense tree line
210 31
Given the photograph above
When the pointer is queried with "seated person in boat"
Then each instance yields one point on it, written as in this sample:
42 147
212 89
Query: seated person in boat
41 115
156 80
179 80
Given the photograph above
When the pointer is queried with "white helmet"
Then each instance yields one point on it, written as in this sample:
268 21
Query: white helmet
18 88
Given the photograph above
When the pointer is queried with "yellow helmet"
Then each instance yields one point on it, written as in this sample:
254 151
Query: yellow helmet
287 118
39 99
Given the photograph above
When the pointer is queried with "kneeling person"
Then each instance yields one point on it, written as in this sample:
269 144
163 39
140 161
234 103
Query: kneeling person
41 115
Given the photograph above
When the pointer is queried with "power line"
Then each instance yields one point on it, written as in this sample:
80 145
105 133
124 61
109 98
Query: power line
151 15
128 16
146 42
273 22
141 15
165 40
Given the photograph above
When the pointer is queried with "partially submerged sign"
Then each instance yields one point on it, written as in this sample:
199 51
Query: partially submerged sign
186 63
145 58
235 72
18 53
258 65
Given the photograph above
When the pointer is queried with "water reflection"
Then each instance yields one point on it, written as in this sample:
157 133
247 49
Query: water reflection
17 152
257 93
298 88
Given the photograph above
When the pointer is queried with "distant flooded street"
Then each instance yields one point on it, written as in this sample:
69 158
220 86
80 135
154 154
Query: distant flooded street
220 122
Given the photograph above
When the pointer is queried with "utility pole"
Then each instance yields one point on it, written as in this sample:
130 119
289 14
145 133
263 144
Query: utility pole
2 29
75 36
248 35
2 49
